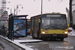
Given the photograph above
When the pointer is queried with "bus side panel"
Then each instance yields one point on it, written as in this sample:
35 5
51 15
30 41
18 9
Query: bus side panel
37 26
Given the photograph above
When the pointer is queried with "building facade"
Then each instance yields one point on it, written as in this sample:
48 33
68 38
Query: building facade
1 12
2 7
73 10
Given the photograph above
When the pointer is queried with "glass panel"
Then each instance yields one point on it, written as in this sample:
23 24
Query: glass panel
28 24
45 22
19 27
32 22
54 23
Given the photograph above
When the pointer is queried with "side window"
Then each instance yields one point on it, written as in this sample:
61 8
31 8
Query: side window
32 22
36 22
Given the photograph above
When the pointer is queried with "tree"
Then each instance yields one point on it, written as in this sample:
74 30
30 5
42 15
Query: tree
70 12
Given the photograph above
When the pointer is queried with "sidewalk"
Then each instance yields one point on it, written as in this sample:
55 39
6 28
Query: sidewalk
72 33
16 43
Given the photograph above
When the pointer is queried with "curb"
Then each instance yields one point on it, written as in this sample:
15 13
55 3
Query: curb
23 47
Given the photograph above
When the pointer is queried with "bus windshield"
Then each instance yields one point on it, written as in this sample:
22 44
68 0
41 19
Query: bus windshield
54 23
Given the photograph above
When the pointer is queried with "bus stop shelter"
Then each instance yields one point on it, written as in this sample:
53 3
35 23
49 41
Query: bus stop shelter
17 26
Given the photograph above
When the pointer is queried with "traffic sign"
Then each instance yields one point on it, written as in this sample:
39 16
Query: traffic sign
5 12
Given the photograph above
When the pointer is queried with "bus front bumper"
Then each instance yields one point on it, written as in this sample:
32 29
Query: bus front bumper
54 35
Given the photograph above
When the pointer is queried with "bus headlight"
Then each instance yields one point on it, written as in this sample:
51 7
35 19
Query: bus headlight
43 32
66 32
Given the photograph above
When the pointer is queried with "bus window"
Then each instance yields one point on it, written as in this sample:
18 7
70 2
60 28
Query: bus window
54 23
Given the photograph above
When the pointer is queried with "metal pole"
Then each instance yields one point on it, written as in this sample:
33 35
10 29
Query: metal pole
14 10
41 5
17 10
5 26
10 11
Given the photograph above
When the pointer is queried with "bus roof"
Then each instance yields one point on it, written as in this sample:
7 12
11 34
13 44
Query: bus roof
45 14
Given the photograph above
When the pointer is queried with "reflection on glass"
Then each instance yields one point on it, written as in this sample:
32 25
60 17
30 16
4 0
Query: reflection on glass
28 24
19 27
53 23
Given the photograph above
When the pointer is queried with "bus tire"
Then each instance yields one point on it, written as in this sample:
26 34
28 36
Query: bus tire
32 36
61 39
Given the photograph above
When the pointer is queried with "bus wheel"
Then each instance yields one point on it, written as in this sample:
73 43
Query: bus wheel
61 39
33 37
44 39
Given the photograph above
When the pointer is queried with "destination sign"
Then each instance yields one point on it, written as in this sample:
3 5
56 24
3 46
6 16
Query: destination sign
53 15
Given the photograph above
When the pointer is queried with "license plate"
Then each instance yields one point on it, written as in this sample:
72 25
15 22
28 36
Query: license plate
54 35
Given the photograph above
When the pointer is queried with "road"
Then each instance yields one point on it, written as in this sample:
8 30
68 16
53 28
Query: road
67 44
6 45
1 47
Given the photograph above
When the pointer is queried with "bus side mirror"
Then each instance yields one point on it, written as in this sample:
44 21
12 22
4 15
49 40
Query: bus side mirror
39 20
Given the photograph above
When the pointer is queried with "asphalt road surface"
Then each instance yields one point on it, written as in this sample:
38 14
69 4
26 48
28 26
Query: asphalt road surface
67 44
5 45
1 47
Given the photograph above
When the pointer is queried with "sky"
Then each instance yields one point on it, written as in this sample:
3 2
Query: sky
32 8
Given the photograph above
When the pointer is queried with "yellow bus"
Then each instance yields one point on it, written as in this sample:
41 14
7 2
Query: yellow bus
49 26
